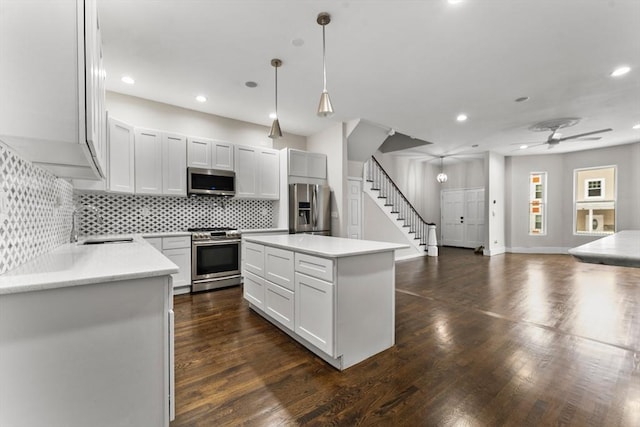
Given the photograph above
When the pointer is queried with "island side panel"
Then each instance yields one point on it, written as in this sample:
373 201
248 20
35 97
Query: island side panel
365 298
86 355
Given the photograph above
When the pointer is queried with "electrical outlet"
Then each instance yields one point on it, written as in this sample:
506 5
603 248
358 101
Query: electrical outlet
145 212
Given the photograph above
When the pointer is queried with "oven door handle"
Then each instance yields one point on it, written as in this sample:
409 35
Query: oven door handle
215 242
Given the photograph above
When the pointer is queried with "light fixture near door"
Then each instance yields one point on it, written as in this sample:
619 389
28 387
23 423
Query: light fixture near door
442 177
276 132
325 109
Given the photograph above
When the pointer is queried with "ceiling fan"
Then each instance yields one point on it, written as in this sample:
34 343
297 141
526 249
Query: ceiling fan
556 138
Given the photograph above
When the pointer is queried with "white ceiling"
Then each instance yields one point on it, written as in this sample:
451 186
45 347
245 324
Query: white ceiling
408 65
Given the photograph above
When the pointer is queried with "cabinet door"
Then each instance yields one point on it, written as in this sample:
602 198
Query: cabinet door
199 152
253 290
314 311
156 242
269 168
278 267
182 258
246 172
148 161
279 304
120 175
317 165
297 163
254 258
174 165
222 153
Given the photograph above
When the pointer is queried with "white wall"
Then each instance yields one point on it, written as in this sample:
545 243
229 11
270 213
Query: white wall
155 115
332 142
560 169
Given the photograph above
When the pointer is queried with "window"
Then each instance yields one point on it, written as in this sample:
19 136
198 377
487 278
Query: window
595 200
537 203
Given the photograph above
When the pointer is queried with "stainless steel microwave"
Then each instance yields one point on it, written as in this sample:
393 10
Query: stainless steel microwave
211 182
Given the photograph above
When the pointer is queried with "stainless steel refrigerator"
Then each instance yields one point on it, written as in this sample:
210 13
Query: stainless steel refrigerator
310 209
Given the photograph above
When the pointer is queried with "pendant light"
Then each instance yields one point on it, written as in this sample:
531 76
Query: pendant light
325 109
275 132
442 177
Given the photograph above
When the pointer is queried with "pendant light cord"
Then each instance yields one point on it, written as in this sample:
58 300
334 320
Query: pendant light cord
324 61
276 92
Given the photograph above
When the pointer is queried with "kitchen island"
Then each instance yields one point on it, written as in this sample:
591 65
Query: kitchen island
86 337
335 296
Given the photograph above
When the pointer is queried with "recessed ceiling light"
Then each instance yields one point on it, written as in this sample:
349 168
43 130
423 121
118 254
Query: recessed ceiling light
522 99
273 116
461 117
454 1
128 80
297 42
201 98
250 84
524 147
636 126
475 146
620 71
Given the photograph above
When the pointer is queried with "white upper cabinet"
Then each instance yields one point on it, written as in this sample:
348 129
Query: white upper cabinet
148 161
47 113
120 175
174 164
210 154
257 173
307 165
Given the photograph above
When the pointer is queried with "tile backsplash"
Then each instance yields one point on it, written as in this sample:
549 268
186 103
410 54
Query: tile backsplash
35 210
148 214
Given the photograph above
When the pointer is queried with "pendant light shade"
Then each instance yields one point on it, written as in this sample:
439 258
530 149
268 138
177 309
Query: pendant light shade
442 177
325 109
276 132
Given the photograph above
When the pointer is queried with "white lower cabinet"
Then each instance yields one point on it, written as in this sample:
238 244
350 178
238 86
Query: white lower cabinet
253 289
279 304
278 267
178 250
314 311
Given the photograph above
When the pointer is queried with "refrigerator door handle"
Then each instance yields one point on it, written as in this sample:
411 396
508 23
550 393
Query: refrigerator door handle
314 209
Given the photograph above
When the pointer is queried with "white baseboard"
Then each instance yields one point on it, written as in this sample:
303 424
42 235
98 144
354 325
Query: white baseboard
410 256
538 250
495 251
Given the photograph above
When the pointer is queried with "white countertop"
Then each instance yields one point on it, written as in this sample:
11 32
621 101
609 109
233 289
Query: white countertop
75 265
165 234
622 248
265 230
326 246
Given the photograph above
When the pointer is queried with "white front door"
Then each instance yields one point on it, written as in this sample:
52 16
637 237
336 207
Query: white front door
354 201
462 217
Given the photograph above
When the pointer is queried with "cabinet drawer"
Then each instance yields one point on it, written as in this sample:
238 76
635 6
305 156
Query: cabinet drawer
279 304
254 258
314 266
156 242
278 267
176 242
253 290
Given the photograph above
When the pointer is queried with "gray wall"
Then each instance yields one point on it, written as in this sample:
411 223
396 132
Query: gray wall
560 169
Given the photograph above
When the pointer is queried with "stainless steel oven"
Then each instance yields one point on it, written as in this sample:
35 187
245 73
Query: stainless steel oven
215 258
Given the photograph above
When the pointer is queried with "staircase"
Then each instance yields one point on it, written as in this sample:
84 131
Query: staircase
395 204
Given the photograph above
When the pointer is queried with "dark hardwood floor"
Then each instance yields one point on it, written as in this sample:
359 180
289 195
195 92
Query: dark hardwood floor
515 340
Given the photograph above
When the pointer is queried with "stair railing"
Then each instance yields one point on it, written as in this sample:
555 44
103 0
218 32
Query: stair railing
388 190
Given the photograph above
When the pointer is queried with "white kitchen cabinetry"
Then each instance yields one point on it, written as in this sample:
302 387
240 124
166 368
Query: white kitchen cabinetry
257 173
210 154
120 175
174 161
342 305
307 165
253 258
178 250
160 160
314 311
148 161
91 355
52 85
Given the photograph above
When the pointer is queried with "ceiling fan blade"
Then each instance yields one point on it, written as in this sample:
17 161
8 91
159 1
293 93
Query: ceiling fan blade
585 134
590 138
